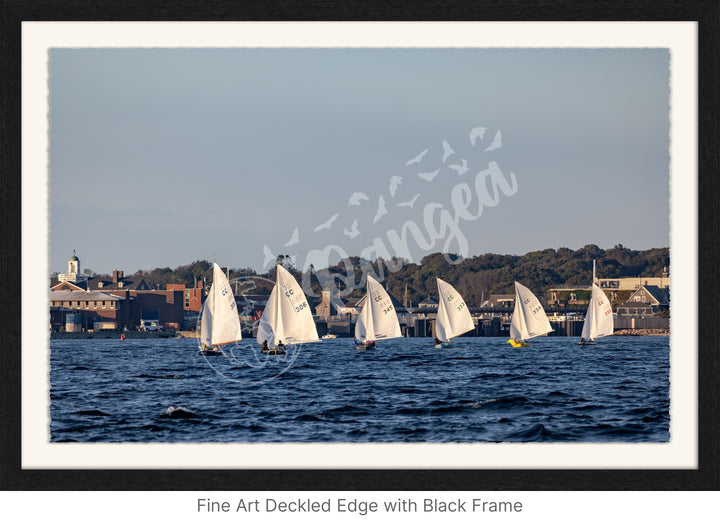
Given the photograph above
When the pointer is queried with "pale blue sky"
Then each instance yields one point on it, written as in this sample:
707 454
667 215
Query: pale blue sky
163 157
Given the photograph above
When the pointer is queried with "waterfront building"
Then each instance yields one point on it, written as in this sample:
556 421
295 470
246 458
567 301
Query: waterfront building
428 303
499 301
119 282
193 297
647 300
631 284
618 291
87 310
333 306
134 301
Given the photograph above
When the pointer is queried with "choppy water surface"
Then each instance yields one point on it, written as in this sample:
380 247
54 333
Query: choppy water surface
404 391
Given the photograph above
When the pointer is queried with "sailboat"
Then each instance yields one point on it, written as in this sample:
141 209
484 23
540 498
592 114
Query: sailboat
599 318
453 316
378 319
528 319
287 318
219 322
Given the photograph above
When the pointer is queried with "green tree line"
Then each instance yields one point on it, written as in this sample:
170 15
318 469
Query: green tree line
475 278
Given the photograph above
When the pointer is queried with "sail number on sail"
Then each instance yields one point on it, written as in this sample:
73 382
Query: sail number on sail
607 311
385 307
461 305
289 294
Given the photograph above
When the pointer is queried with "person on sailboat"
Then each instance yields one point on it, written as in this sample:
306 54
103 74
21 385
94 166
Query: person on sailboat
264 346
209 350
437 341
280 346
370 344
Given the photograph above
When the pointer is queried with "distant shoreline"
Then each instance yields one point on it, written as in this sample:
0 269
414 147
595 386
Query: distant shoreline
192 334
115 334
642 333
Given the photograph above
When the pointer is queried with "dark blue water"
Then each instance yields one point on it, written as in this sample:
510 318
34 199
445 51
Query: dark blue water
404 391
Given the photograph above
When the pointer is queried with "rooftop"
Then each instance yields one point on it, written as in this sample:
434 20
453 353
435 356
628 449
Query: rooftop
82 295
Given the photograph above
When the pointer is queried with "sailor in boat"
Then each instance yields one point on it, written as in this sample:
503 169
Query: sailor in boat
264 346
209 350
370 344
280 347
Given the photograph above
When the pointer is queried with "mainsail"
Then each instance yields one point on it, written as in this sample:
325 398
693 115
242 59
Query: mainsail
599 317
219 323
453 316
206 321
287 316
378 319
529 319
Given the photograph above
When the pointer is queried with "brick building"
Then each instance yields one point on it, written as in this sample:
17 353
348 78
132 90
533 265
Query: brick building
89 310
193 297
118 303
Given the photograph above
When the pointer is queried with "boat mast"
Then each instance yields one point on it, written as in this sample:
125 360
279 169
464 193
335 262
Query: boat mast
369 319
277 305
212 305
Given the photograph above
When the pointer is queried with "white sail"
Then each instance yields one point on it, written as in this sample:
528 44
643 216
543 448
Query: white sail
225 322
270 323
529 319
378 319
206 321
599 317
453 316
287 316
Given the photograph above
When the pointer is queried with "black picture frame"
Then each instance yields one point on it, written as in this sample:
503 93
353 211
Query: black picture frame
705 477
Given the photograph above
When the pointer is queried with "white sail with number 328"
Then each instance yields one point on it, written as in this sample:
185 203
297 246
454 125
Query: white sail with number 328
599 316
